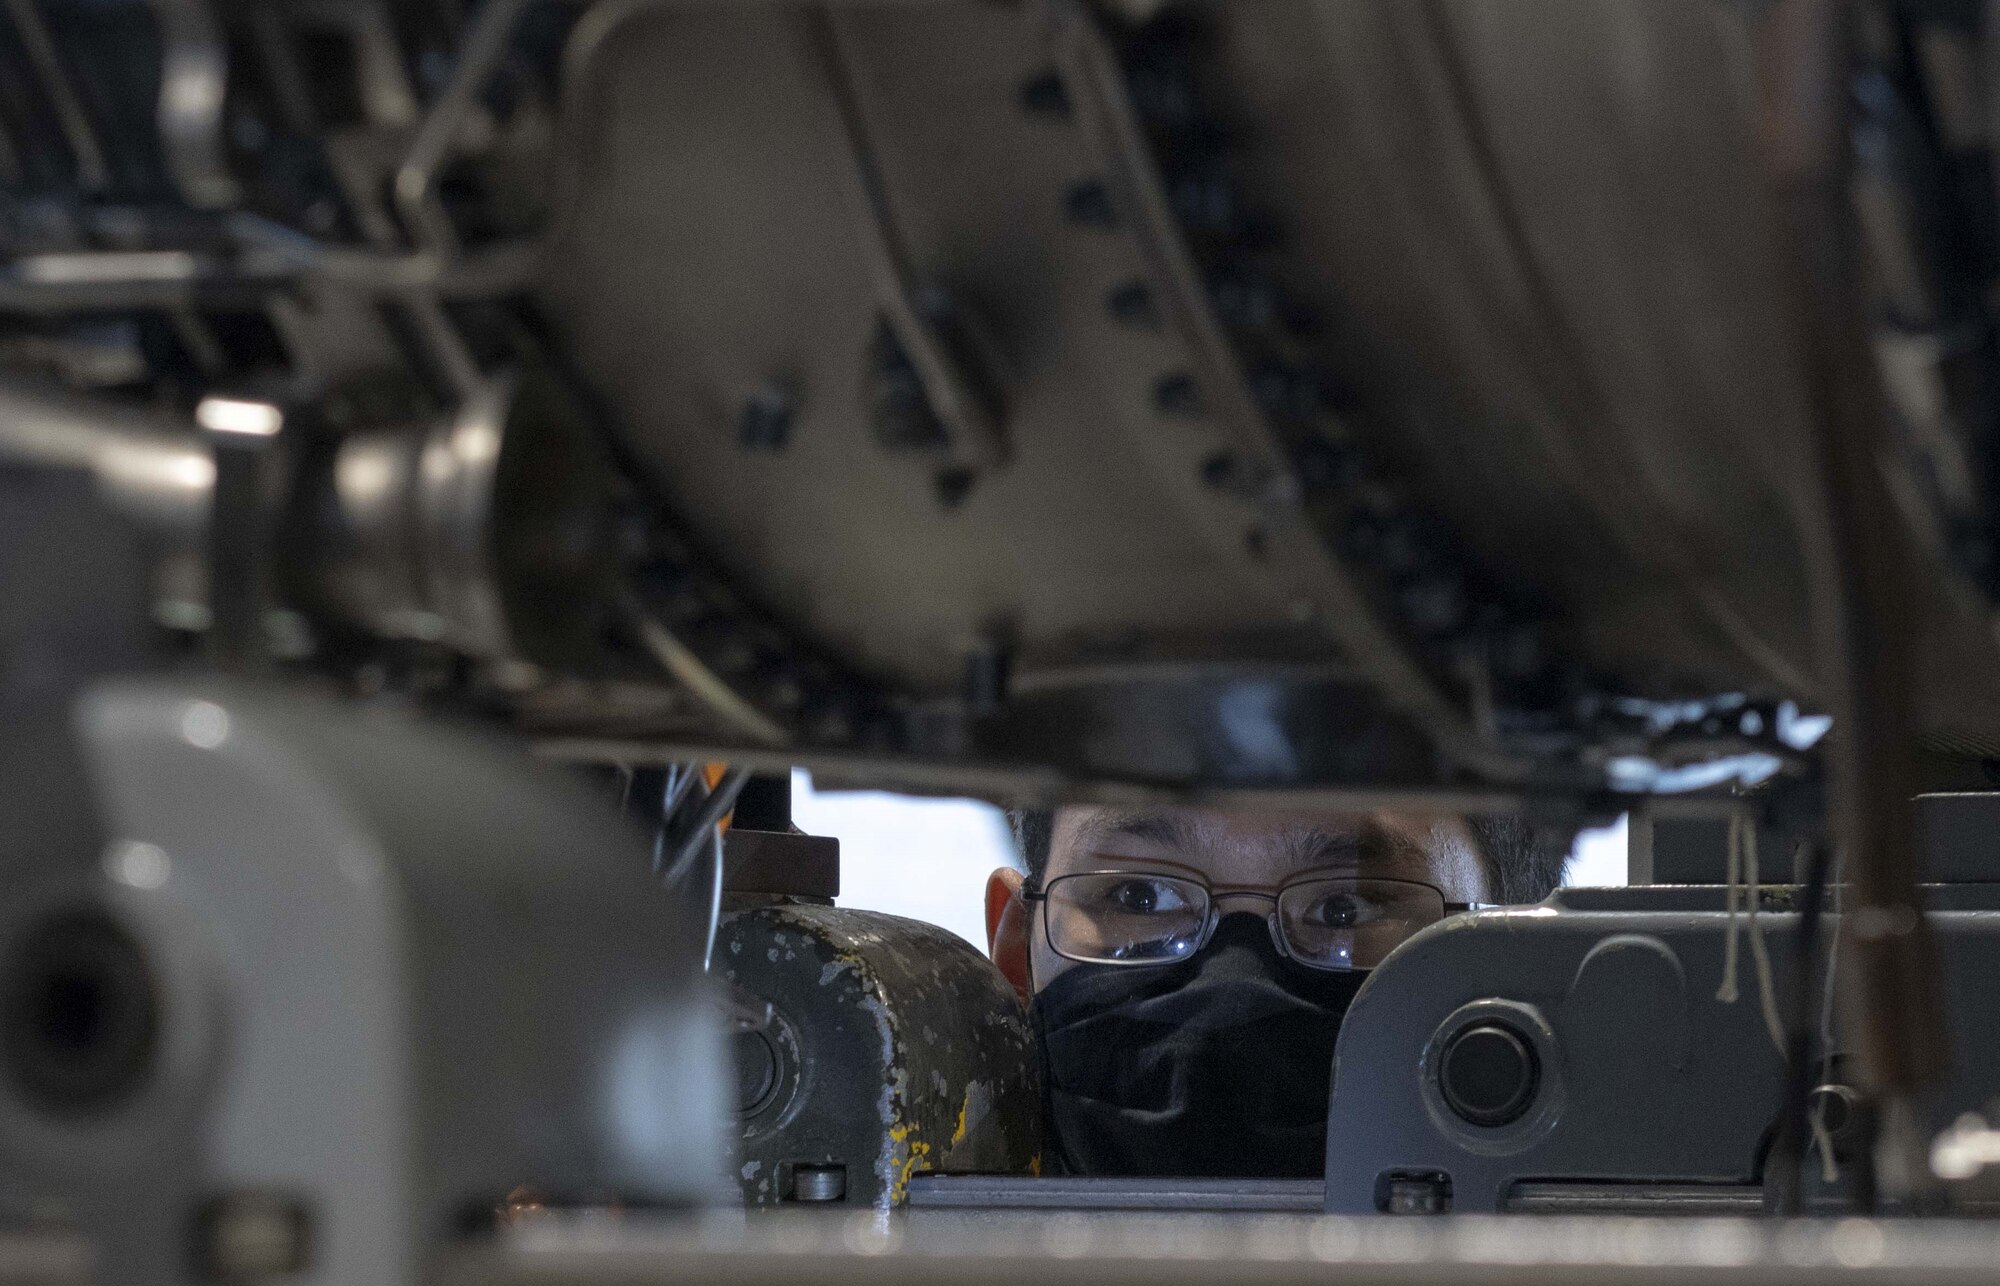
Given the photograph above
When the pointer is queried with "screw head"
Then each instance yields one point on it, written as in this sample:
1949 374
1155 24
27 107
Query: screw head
1414 1194
1177 395
952 486
1242 297
1044 95
1132 305
903 421
1325 466
1088 204
819 1182
765 422
1295 392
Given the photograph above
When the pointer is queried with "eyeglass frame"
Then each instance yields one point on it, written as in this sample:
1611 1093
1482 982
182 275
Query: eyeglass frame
1213 916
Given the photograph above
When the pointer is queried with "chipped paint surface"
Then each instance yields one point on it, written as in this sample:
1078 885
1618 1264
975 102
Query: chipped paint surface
905 1155
901 1050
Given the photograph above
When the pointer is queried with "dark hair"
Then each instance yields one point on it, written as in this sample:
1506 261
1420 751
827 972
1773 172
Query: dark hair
1524 867
1034 831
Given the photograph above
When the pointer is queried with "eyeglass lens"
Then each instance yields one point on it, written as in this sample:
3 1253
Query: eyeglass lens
1143 918
1126 917
1353 924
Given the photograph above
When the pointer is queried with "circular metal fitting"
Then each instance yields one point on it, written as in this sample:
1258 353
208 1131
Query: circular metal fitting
1488 1074
79 1014
756 1072
819 1182
1840 1111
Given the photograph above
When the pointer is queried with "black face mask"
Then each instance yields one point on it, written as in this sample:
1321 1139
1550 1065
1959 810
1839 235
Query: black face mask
1219 1065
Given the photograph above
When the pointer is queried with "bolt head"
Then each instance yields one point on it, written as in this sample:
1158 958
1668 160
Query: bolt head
1087 203
1177 395
1132 305
765 421
1044 95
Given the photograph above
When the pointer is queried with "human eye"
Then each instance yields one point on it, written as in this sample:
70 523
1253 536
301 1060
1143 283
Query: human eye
1144 895
1341 909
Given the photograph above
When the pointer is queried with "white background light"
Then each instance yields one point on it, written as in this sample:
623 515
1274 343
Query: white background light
236 415
924 858
1599 859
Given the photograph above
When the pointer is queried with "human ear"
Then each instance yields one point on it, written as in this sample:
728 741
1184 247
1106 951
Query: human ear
1007 927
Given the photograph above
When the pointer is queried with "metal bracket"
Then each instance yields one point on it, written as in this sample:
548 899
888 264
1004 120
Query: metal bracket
964 398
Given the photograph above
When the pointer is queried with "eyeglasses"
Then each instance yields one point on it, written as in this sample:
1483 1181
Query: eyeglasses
1145 918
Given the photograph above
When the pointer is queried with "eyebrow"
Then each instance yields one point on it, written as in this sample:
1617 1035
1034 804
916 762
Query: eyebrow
1369 845
1169 830
1314 847
1381 849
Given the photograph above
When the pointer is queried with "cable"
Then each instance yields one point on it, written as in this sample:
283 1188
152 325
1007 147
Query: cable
480 53
707 818
714 906
1726 993
706 825
93 173
1745 891
1828 1167
680 780
687 669
1760 954
1799 1126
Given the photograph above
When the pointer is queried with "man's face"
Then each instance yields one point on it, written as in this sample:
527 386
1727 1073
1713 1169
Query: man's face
1176 1035
1251 852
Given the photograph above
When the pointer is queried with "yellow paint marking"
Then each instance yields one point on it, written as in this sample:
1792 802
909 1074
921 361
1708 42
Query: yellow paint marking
915 1159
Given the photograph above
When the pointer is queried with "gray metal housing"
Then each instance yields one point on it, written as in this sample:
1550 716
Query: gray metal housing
1652 1092
397 971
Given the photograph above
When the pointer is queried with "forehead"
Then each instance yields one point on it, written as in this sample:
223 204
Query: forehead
1260 847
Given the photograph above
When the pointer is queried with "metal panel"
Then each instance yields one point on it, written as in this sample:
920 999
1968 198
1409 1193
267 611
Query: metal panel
1071 1192
1195 1250
393 973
